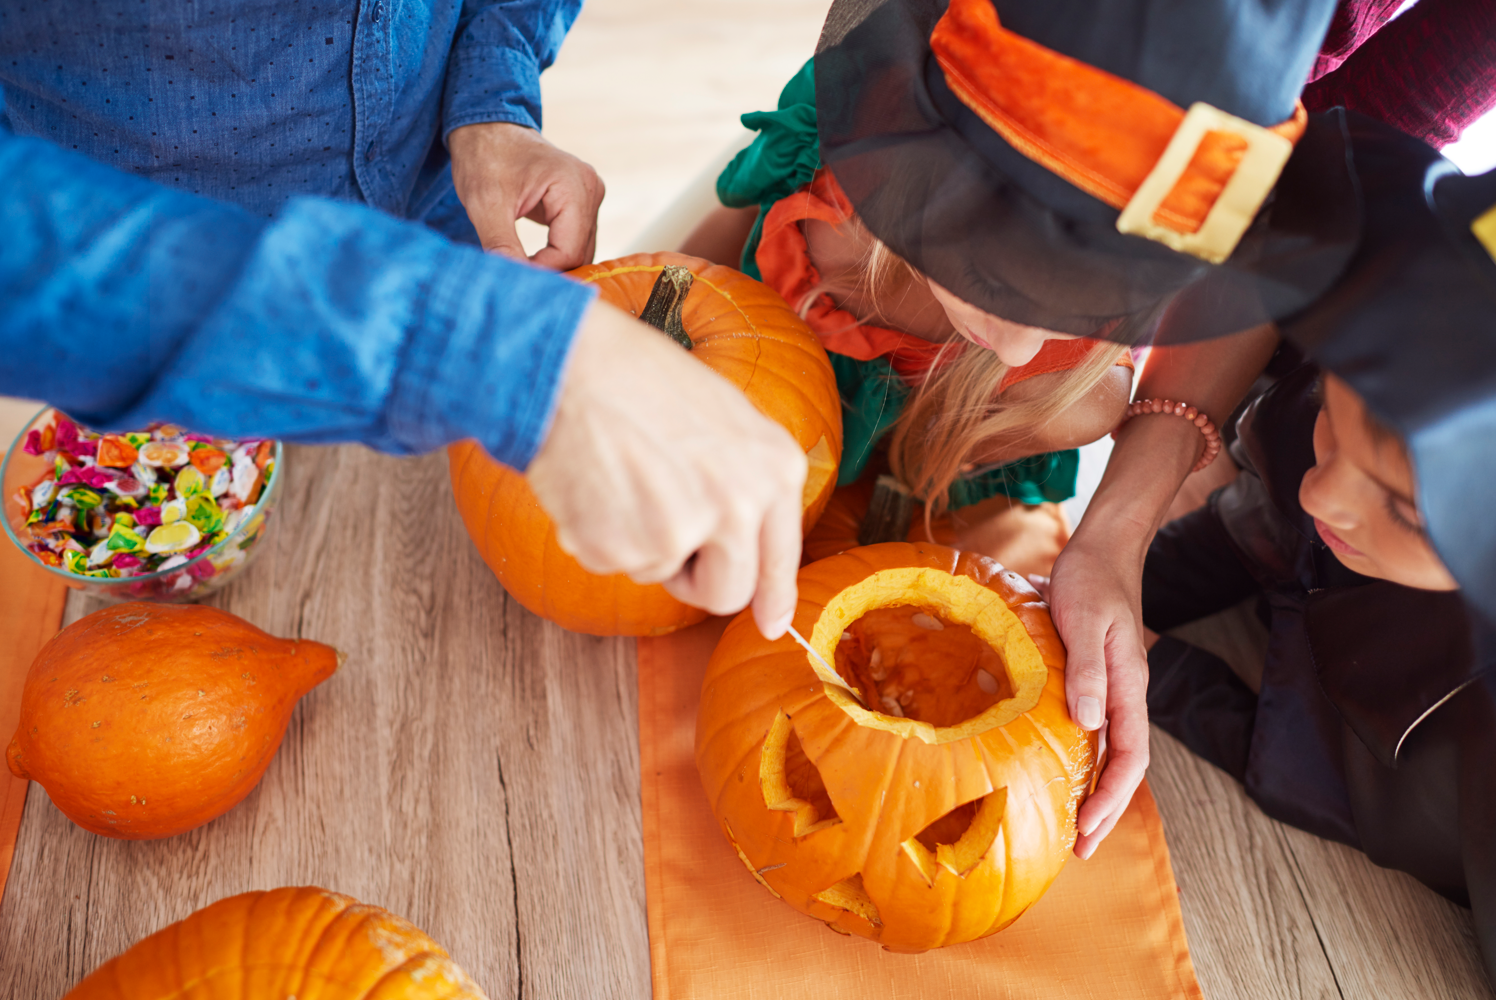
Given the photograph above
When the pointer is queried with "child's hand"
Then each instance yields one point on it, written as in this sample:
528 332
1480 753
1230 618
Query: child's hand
1092 599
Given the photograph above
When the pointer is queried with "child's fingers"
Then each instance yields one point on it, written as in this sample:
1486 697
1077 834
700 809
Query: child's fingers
1127 762
1085 676
1127 734
1041 584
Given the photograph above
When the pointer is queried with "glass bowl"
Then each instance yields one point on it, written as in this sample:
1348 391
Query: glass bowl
188 581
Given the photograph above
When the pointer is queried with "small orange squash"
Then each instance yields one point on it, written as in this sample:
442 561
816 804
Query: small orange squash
935 804
147 720
739 328
294 942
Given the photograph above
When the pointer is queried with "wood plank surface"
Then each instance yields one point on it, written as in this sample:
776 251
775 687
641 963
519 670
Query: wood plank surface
476 769
1273 912
470 767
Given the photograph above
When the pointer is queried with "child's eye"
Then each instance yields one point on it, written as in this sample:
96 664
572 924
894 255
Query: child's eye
1404 515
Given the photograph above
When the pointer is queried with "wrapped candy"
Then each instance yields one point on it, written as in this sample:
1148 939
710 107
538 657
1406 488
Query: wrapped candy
144 502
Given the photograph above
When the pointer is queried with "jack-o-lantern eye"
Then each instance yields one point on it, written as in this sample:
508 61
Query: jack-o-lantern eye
959 840
791 782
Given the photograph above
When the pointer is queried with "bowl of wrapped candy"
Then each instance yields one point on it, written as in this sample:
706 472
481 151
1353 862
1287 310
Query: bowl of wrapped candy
160 514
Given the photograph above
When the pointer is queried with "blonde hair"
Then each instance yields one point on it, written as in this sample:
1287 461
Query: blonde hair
960 403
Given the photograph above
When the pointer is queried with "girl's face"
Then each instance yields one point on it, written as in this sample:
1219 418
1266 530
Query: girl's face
1013 343
1361 496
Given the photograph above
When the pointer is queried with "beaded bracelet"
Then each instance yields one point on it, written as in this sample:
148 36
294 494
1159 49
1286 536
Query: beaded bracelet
1194 416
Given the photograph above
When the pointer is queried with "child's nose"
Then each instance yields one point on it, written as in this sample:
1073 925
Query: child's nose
1328 493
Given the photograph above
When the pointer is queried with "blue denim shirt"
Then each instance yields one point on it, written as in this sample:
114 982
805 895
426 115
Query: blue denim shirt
193 279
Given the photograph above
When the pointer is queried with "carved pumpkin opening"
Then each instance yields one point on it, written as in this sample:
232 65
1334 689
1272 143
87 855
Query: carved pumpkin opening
949 828
849 894
959 840
908 663
791 782
966 664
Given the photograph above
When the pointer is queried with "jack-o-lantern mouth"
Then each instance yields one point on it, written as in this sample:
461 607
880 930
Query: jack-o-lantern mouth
928 655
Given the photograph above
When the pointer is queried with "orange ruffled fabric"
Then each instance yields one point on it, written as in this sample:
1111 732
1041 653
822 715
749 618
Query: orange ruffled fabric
784 259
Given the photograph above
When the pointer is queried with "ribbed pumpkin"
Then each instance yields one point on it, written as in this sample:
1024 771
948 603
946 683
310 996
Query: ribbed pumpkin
147 720
940 811
739 328
1025 538
302 943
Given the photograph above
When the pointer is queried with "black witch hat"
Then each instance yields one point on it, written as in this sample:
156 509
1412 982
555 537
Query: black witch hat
1411 326
1038 160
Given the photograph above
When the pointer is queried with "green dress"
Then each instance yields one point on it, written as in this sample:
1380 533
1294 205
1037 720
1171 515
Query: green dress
783 158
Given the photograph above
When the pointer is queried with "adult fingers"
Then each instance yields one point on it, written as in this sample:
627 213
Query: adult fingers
778 563
571 238
499 235
569 211
718 578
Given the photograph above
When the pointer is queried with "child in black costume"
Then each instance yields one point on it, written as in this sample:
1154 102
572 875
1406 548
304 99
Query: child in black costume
1361 523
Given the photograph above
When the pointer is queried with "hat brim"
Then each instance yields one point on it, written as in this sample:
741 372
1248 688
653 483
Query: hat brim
946 193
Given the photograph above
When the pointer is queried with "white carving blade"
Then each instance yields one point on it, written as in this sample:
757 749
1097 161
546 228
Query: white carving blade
824 670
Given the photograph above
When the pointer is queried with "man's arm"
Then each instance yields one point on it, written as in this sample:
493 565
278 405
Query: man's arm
498 53
123 302
503 169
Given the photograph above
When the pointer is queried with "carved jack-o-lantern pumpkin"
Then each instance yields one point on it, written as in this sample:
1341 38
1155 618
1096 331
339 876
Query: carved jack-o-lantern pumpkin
925 793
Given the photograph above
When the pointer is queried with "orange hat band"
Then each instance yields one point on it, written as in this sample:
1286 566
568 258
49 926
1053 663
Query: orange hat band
1191 180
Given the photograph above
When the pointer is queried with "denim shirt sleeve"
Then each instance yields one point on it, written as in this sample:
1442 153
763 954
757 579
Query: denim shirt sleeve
498 54
124 302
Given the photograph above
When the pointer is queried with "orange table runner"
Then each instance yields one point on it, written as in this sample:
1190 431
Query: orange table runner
30 614
1109 928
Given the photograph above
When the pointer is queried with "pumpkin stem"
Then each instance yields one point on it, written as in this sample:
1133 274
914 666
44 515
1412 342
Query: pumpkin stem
666 299
888 513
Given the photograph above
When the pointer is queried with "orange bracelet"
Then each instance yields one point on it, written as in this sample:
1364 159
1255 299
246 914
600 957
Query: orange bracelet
1194 416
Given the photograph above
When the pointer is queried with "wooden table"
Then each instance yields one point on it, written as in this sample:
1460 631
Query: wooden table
476 770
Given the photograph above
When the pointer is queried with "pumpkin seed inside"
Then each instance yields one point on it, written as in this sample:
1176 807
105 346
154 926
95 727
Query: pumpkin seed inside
911 664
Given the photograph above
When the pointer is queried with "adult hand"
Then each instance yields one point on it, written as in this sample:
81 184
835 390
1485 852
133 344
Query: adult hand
1095 602
505 172
657 467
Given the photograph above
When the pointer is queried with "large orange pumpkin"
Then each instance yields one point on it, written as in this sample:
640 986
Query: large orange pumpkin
303 943
935 804
147 720
739 328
